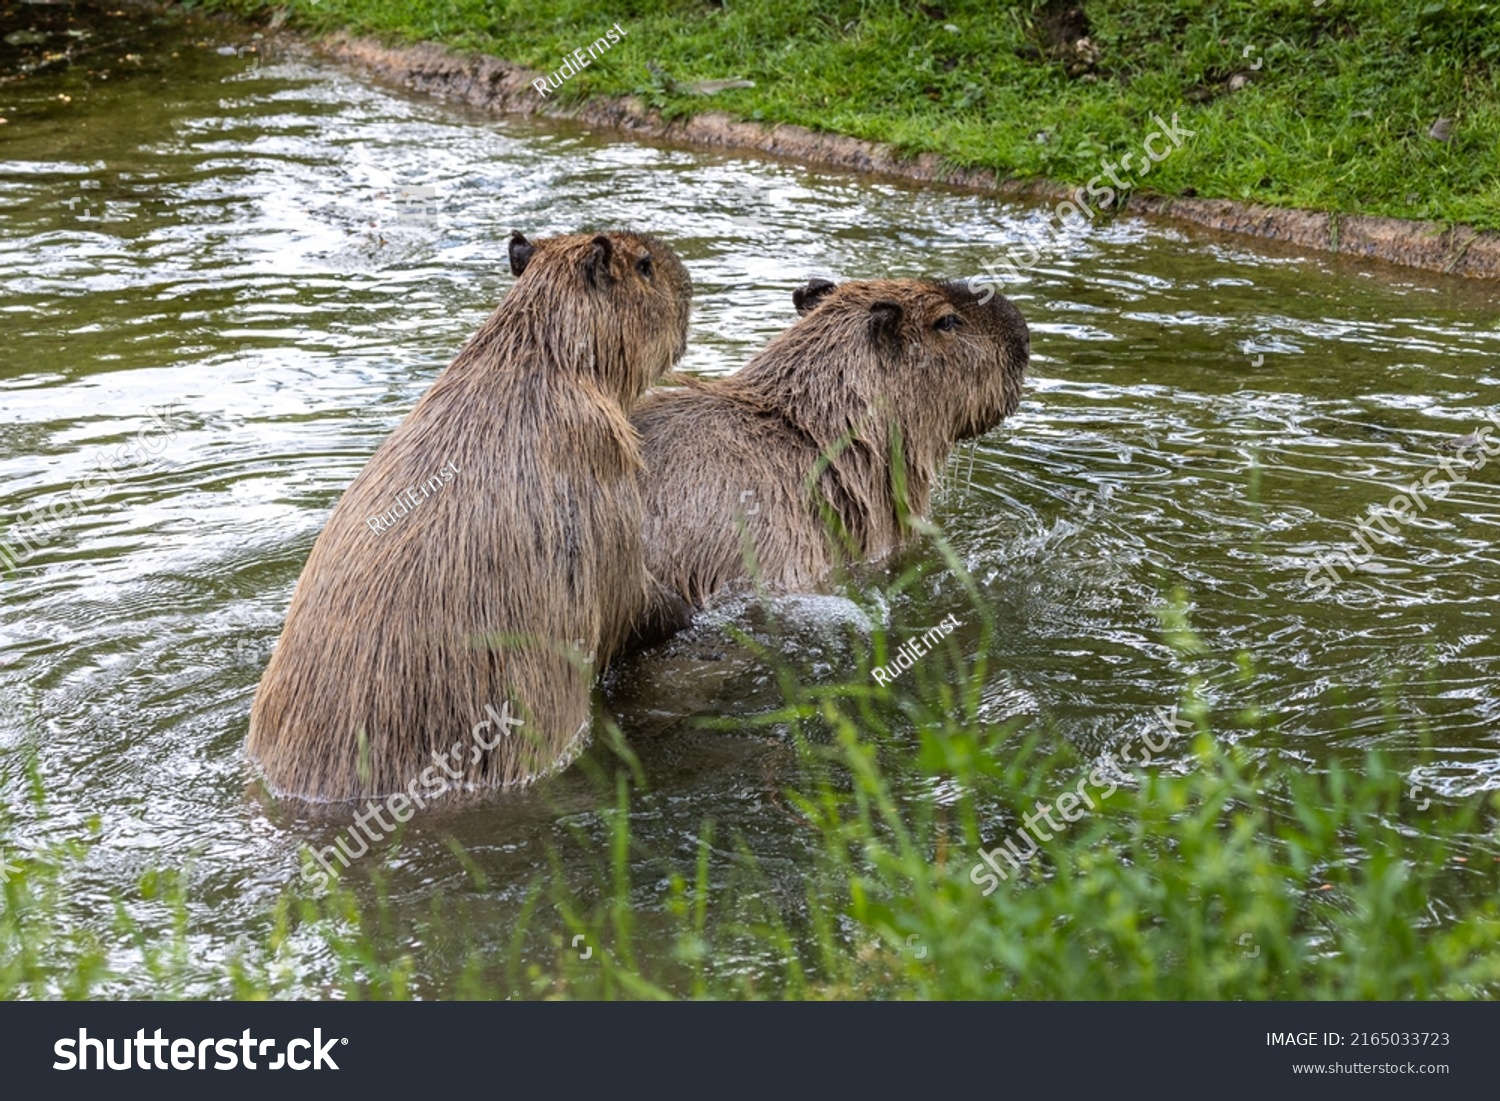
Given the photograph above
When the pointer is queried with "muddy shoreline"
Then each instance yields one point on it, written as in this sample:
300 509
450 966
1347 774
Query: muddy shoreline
500 86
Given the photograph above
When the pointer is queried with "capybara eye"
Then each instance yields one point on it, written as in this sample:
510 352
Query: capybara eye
947 323
643 265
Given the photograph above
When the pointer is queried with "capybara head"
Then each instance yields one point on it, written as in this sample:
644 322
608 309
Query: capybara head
948 365
620 299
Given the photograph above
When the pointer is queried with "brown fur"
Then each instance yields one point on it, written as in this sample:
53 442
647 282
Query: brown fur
497 586
729 463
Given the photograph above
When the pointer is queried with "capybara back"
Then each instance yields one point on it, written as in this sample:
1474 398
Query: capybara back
488 557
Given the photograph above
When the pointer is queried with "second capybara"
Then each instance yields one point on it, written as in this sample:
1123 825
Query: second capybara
488 557
818 449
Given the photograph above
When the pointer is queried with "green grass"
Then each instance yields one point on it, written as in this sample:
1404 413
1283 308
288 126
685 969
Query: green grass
1232 870
1336 117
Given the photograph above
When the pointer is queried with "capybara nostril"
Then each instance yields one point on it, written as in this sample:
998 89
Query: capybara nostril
489 553
1009 319
848 415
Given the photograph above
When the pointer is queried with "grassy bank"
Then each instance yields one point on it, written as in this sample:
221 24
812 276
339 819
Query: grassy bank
1331 107
1215 871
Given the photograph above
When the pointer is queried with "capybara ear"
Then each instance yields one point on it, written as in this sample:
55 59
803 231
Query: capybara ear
596 267
521 251
807 296
885 320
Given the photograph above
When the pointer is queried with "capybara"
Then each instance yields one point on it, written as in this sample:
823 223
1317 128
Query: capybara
838 426
489 553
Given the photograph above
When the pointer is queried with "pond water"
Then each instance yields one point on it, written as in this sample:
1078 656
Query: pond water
288 256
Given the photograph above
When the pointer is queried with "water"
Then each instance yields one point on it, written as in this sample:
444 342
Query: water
289 256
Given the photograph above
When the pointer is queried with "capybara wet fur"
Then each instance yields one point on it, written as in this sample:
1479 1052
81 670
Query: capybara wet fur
817 450
489 553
